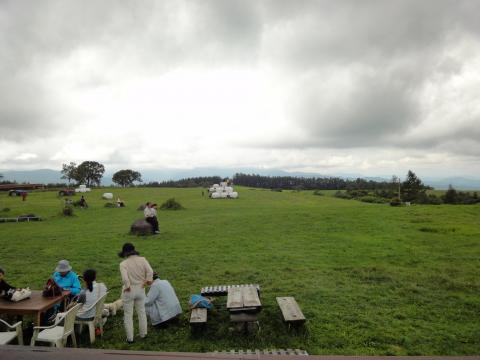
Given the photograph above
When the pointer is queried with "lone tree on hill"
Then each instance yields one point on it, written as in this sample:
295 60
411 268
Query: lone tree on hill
412 187
89 173
126 177
69 171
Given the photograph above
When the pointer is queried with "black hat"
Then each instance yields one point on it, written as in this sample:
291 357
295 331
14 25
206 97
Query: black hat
127 250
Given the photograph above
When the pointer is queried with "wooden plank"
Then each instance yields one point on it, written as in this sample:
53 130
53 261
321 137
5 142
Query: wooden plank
290 309
198 316
250 297
235 298
243 317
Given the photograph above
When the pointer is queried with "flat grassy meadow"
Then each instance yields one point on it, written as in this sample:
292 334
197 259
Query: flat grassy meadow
371 279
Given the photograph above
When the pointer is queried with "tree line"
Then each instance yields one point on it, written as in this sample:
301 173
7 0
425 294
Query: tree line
90 173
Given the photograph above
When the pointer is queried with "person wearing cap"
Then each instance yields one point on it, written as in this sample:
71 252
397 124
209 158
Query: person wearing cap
66 278
136 272
162 304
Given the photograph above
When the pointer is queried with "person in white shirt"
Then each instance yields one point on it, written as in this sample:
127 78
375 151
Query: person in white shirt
136 272
150 213
162 304
90 295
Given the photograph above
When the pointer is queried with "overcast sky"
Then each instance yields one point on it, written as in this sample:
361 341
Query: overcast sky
370 87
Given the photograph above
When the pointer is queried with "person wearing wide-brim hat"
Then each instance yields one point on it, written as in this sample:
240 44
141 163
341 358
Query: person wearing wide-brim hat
136 272
66 278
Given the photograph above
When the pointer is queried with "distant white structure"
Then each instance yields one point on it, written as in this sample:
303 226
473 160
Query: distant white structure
222 191
82 189
107 196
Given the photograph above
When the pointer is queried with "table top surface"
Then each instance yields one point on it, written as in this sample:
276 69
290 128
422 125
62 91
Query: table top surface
36 302
243 297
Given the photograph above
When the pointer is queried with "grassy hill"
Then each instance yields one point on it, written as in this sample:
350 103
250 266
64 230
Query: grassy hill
371 279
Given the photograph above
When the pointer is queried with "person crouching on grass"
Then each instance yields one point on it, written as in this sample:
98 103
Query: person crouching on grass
136 273
162 304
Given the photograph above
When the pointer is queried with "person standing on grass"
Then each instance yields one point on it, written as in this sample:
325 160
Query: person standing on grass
150 213
136 272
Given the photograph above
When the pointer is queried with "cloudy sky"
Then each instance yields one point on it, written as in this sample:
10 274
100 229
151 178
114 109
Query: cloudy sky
370 87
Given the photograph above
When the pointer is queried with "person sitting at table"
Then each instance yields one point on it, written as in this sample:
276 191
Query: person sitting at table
66 278
4 286
161 303
90 294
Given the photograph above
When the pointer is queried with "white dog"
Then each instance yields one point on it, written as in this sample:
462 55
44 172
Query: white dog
114 307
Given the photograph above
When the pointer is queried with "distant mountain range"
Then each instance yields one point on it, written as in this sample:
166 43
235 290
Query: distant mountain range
45 176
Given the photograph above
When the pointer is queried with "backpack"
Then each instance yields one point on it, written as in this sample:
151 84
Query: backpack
198 301
51 289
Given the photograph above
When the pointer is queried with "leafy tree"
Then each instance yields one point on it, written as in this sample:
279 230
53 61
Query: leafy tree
412 187
126 177
69 171
450 196
89 173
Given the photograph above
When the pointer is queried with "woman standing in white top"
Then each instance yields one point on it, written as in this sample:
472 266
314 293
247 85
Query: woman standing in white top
136 273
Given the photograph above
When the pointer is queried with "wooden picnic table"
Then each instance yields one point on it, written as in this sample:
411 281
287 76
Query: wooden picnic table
35 305
244 304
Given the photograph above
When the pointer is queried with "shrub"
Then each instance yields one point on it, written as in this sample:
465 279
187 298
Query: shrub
371 199
110 205
343 195
171 204
67 210
395 202
5 209
318 192
277 189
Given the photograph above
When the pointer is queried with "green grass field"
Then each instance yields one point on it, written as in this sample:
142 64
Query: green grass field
371 279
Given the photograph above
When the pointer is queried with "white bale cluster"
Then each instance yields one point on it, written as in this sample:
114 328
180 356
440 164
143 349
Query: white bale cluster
222 191
107 196
82 189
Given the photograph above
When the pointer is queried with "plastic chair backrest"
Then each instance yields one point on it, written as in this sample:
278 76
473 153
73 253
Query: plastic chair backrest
69 319
99 306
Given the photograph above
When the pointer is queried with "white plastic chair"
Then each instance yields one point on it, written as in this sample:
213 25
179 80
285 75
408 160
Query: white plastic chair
96 320
7 336
56 334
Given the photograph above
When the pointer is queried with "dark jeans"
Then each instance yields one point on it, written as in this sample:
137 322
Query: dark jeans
154 222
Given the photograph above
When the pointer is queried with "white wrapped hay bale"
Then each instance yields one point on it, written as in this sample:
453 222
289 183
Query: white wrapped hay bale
107 196
215 195
233 195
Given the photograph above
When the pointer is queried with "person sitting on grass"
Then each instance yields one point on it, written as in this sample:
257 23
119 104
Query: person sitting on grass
83 203
66 278
90 294
150 213
161 303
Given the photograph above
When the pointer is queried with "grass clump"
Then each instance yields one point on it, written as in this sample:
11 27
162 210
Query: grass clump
67 210
171 204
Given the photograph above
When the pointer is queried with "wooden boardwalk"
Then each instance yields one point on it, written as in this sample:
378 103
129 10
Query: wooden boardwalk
14 352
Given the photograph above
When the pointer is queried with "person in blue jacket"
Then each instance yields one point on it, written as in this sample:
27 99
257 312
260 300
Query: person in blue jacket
66 278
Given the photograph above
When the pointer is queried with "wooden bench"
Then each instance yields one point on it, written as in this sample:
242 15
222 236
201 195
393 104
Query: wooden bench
20 219
198 317
290 310
287 352
222 290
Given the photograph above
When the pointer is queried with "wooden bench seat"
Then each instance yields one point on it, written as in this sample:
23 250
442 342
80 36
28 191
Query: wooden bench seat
198 316
284 352
290 310
222 290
